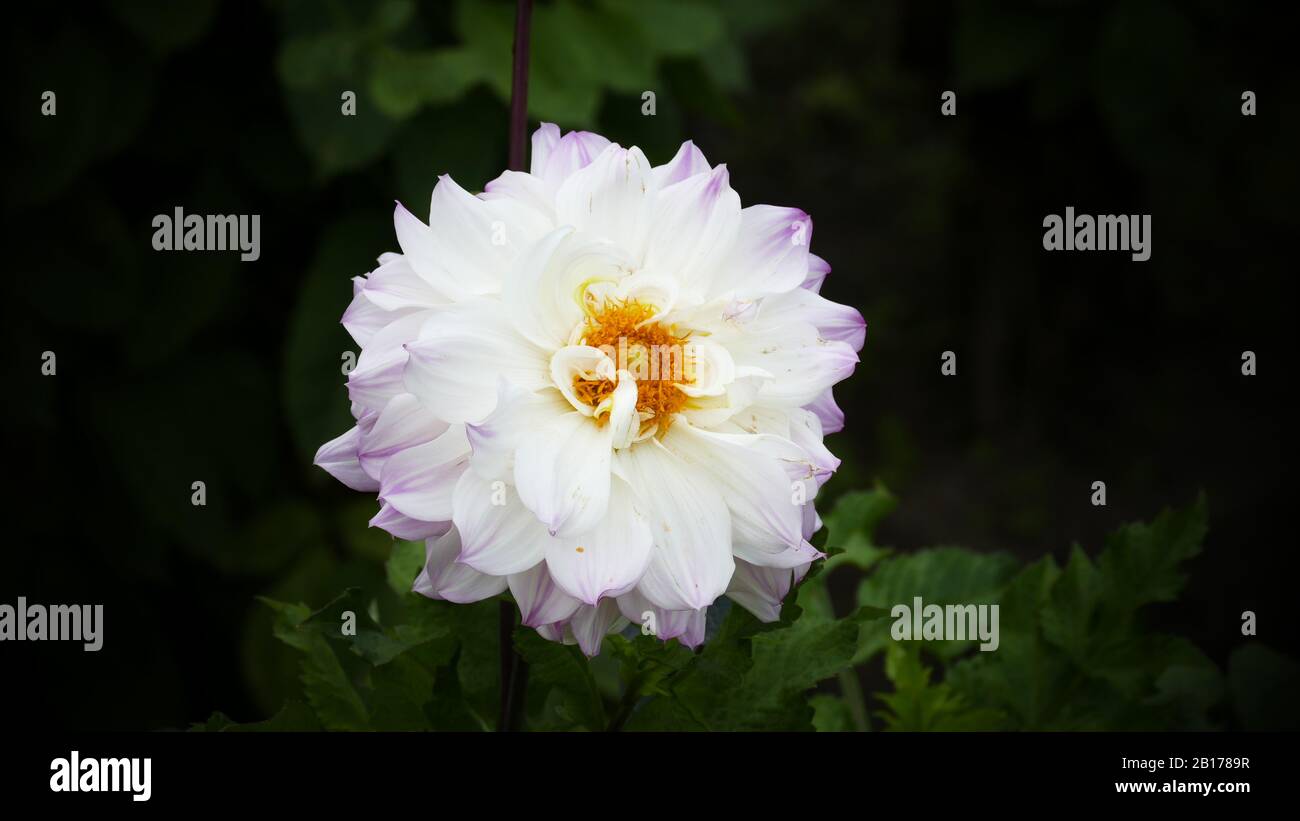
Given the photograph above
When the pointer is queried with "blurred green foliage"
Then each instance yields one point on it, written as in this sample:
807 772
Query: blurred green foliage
400 65
1074 652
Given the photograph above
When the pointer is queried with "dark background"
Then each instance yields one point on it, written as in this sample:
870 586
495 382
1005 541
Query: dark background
177 367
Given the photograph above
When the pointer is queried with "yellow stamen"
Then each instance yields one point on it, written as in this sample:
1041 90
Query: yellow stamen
654 352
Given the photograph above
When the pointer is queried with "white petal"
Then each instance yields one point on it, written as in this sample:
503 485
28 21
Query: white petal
818 268
403 423
546 288
687 626
739 394
518 413
755 483
712 368
363 318
406 528
687 162
544 141
574 362
557 632
591 624
806 432
832 418
572 153
694 227
445 578
540 600
770 255
425 250
760 590
610 558
338 457
500 535
658 291
832 320
526 190
759 419
419 481
689 522
377 378
396 286
462 355
624 421
803 365
610 199
562 474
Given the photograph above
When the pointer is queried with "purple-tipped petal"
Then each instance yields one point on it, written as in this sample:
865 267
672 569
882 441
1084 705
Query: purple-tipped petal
338 457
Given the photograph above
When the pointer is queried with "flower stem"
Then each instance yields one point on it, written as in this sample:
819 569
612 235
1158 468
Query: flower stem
514 673
514 670
519 85
625 706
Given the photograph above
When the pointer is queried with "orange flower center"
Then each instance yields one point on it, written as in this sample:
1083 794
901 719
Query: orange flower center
654 354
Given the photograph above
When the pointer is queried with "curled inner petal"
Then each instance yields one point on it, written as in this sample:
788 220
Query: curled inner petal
656 355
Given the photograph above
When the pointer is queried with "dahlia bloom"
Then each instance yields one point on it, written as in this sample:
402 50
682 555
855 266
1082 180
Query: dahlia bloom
601 385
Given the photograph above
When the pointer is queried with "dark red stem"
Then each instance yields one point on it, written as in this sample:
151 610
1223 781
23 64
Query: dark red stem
514 670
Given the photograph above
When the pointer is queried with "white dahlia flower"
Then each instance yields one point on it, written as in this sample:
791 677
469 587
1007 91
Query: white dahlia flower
602 385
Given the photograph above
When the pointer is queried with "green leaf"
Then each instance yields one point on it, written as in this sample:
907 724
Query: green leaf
916 704
351 611
403 565
831 714
310 61
1024 677
1142 563
750 677
604 44
939 576
487 29
360 675
328 686
1072 621
294 717
675 28
1073 654
339 143
478 665
401 82
851 526
562 694
793 659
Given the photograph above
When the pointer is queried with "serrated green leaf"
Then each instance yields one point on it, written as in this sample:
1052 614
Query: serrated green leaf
916 704
327 685
1142 563
1024 677
939 576
751 678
